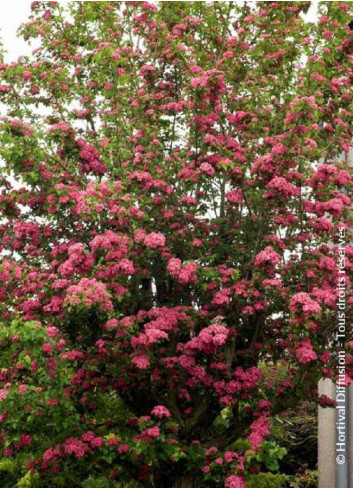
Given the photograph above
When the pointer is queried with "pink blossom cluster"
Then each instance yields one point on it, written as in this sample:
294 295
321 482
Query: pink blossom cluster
284 187
279 149
47 348
237 117
302 302
222 296
151 336
322 224
164 320
52 331
160 412
259 430
27 230
268 256
60 126
304 351
208 169
89 292
234 196
90 158
78 260
199 81
328 173
186 273
208 339
141 361
78 447
235 481
148 434
154 240
24 441
333 206
110 240
325 295
73 446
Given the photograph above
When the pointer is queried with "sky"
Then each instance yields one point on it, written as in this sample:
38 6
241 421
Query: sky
12 15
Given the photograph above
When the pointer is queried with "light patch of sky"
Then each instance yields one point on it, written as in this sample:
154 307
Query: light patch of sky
12 15
312 14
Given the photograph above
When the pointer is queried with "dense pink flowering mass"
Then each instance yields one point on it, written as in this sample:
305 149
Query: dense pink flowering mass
88 292
154 240
173 189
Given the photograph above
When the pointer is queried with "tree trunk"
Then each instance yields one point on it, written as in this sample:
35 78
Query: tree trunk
185 480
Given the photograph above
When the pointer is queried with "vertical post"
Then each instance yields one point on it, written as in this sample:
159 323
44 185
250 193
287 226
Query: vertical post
326 437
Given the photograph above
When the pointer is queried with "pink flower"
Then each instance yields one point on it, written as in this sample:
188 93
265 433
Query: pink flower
27 75
160 412
125 267
186 273
279 149
60 284
123 448
153 432
154 334
197 242
229 456
200 81
207 168
72 446
113 441
174 266
25 440
259 430
49 454
52 331
141 361
111 324
305 355
47 348
154 240
305 352
267 256
89 292
237 117
284 187
235 481
303 301
222 297
97 442
88 436
60 126
234 196
139 235
334 206
7 452
208 339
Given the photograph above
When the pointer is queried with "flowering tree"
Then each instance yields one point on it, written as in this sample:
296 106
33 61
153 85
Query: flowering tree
171 198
